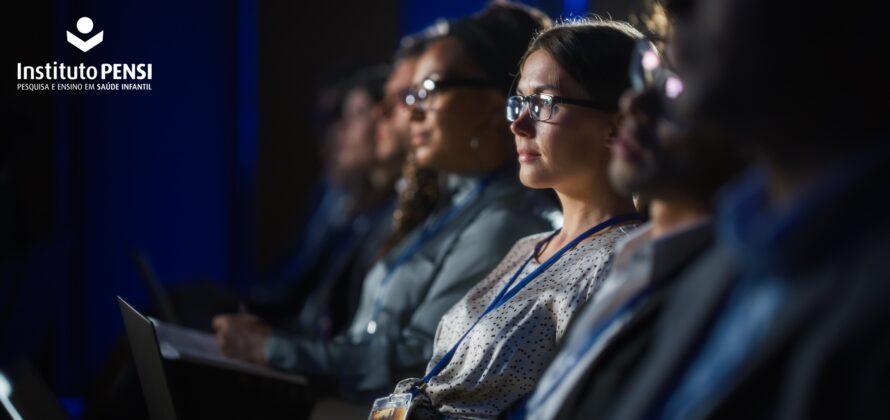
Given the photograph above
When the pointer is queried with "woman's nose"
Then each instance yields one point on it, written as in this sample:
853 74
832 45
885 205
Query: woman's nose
523 125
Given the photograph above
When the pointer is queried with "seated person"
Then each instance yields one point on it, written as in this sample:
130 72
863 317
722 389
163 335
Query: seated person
329 306
457 128
351 214
679 171
493 345
786 316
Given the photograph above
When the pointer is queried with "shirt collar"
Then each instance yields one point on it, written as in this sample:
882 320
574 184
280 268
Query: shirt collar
665 254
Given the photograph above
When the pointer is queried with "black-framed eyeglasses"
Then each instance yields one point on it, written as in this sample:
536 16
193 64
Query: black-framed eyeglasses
542 106
418 96
649 70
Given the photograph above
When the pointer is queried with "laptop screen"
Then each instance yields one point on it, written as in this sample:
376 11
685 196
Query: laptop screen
149 365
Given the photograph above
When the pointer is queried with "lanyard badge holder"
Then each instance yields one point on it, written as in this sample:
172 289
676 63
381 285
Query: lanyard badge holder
401 403
393 407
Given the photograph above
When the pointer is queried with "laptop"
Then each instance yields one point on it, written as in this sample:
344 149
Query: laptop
153 341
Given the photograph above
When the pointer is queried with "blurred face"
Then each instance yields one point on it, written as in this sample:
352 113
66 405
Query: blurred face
648 140
355 134
657 151
393 116
444 128
570 150
648 146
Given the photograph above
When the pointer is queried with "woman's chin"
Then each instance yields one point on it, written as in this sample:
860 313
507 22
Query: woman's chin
424 157
532 178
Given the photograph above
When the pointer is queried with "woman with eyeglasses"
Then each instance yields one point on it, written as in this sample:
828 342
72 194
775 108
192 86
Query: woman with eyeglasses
482 210
494 344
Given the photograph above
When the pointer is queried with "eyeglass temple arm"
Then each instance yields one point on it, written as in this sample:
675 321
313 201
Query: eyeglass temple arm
586 103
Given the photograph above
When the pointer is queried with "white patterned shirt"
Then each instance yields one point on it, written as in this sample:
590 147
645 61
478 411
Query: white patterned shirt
505 355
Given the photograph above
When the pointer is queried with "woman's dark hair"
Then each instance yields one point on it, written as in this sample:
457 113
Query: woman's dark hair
596 53
658 17
495 38
418 196
412 45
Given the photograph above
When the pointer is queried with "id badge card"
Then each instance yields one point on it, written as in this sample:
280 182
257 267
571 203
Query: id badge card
393 407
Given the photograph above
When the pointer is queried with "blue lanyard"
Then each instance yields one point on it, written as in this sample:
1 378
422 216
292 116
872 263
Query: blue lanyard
506 292
567 365
430 230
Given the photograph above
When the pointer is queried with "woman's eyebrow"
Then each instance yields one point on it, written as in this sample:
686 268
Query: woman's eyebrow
538 89
541 88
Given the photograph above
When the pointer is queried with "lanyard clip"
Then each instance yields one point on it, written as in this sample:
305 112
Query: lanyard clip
417 388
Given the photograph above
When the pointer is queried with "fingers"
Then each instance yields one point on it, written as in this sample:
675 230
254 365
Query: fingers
221 326
219 322
226 322
241 336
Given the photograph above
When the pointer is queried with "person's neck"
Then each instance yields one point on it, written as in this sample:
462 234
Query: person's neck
670 215
583 211
384 177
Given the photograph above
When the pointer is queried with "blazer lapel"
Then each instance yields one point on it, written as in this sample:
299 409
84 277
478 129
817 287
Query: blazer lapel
686 317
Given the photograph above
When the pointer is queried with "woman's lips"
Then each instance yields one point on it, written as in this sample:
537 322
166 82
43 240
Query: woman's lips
528 155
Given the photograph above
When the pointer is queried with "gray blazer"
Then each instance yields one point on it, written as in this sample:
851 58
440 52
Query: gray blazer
419 293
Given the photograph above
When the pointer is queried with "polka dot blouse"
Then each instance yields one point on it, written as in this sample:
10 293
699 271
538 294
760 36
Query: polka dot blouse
502 358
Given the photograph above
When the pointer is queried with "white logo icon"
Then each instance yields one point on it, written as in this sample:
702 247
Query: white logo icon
84 26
